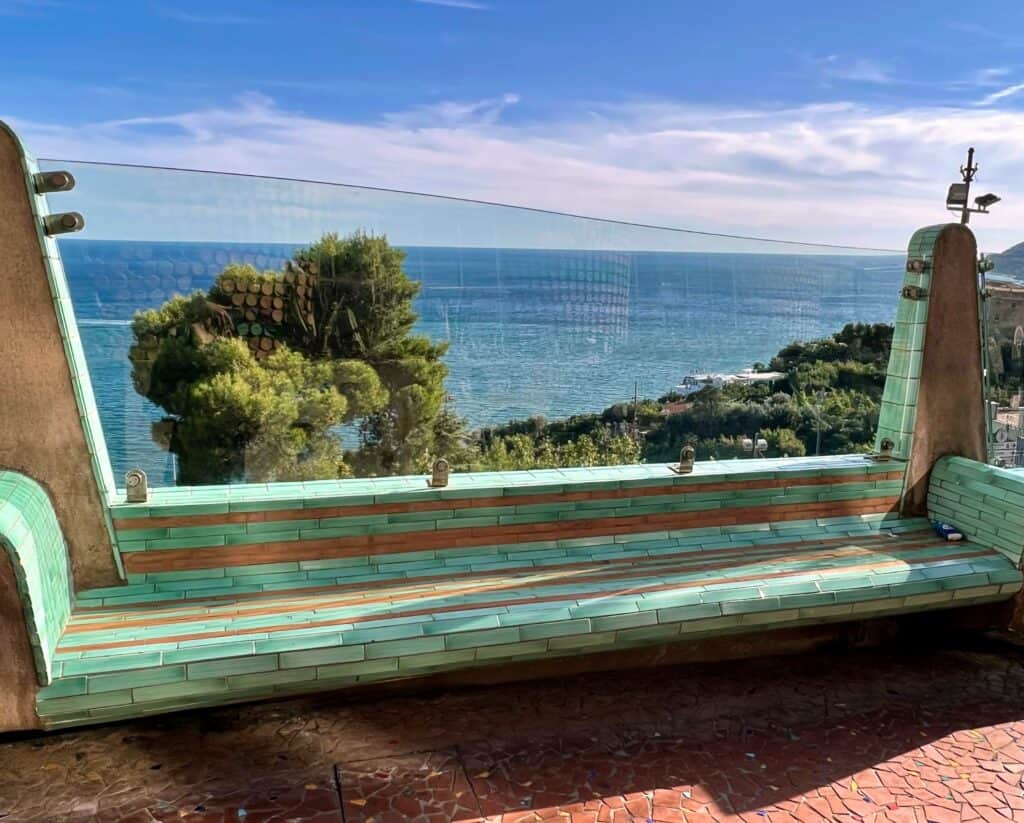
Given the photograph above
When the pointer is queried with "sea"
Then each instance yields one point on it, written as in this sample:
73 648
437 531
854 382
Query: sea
545 332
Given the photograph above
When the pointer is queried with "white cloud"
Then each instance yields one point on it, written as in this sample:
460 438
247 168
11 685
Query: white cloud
839 173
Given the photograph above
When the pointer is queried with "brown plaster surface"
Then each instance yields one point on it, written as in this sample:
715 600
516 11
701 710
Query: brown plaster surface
41 433
950 405
17 667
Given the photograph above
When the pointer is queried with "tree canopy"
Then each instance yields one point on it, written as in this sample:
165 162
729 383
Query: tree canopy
257 374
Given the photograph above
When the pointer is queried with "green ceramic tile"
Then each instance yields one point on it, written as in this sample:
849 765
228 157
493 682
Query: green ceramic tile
233 665
81 703
65 687
583 641
175 691
398 632
604 607
320 656
368 667
687 613
528 616
463 624
189 654
134 679
401 648
96 665
271 678
192 531
537 631
186 542
436 661
466 640
764 604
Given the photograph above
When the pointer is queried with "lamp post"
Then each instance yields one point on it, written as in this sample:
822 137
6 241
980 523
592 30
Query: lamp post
958 196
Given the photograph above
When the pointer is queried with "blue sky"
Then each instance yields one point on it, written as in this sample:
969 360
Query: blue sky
835 122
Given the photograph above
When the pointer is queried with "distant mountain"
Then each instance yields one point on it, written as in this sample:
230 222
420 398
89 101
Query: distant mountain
1011 262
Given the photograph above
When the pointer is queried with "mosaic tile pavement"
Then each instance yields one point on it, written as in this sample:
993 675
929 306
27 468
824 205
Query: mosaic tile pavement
915 735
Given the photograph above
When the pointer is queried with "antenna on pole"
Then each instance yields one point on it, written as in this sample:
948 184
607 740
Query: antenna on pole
967 173
958 197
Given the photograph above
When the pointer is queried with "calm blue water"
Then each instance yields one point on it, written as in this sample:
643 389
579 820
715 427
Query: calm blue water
531 331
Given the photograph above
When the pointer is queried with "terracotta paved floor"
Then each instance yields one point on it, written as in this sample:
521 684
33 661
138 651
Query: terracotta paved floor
933 735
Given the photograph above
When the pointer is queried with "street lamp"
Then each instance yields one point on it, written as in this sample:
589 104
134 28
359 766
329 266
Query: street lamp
959 194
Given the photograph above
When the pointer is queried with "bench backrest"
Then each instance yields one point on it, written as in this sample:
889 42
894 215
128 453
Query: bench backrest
226 532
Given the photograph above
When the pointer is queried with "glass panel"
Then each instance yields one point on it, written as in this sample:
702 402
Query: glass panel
1003 334
551 320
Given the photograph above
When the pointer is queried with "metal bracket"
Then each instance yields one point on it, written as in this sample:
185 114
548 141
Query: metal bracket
439 477
47 182
914 292
63 222
136 486
884 455
918 265
686 459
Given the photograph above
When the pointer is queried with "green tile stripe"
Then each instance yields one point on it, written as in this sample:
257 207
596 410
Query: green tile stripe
984 502
31 537
899 398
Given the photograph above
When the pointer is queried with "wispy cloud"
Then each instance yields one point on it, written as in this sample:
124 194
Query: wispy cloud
837 172
212 19
984 78
456 4
454 113
858 70
1002 94
991 76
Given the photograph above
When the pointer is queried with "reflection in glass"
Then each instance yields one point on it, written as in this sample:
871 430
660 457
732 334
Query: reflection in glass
545 317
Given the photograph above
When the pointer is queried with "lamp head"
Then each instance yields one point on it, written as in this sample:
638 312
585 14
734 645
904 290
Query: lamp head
956 198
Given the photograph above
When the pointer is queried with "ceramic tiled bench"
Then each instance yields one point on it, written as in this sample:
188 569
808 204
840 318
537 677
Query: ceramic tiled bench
251 592
238 593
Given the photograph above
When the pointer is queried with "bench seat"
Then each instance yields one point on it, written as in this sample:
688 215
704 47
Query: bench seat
131 655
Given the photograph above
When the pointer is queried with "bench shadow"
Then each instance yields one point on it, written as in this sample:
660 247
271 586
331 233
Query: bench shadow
839 729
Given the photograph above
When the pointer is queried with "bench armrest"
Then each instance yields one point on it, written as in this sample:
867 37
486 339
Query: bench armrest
32 539
985 503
